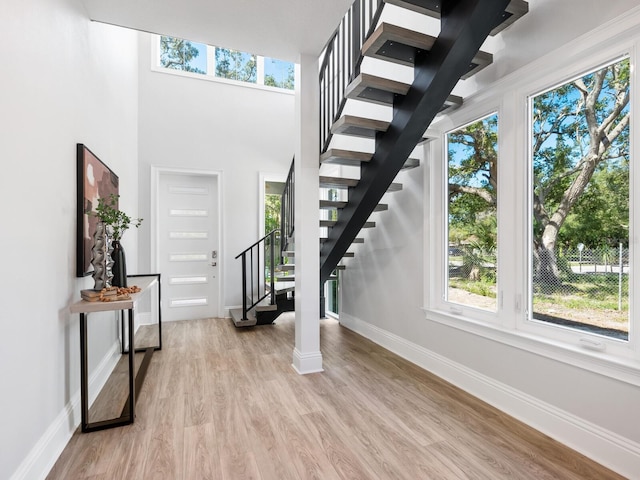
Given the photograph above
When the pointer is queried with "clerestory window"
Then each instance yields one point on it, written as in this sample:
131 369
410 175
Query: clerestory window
205 61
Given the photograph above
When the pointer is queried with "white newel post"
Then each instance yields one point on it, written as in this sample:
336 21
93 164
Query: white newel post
307 357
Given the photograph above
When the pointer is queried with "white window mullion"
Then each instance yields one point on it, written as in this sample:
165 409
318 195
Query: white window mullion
259 70
211 61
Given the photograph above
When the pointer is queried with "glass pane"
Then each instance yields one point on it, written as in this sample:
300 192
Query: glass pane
332 296
472 215
580 204
278 73
235 65
179 54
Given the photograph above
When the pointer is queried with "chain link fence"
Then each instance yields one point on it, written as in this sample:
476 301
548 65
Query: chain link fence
583 288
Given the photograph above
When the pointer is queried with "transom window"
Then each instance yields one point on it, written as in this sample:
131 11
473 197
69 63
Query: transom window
216 62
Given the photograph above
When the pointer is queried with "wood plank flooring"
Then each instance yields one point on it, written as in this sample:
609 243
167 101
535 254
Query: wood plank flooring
223 403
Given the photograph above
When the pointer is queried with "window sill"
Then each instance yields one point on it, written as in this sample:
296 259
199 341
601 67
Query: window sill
622 369
211 78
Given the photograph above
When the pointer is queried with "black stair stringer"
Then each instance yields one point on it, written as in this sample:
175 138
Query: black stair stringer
465 24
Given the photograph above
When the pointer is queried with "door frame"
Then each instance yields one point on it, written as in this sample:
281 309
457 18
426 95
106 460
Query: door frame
156 172
265 177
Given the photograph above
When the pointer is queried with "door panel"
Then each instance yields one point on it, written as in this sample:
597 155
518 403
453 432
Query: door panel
188 250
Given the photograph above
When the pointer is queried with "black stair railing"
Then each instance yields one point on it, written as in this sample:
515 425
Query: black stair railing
287 209
342 60
258 270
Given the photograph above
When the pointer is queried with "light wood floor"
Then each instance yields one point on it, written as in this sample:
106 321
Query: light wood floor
222 403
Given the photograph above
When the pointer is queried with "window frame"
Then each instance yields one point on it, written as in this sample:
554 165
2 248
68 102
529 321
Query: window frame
587 340
453 306
439 196
510 98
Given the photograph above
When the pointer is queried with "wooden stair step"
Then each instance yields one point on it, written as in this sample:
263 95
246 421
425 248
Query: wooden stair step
263 306
353 159
383 91
401 45
288 253
333 204
410 163
337 182
339 267
283 287
348 255
238 321
432 8
286 267
358 126
291 279
331 223
355 240
345 157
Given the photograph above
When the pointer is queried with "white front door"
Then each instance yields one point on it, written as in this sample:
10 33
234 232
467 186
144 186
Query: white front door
188 245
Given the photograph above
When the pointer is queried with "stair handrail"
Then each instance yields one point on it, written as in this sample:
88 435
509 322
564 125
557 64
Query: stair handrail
287 209
257 287
342 61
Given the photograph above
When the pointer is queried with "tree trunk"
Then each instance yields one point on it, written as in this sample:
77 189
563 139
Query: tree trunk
546 265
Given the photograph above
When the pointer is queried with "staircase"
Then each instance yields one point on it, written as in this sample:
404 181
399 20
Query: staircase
438 63
363 51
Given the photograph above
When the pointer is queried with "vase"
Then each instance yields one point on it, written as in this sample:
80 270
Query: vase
119 268
101 257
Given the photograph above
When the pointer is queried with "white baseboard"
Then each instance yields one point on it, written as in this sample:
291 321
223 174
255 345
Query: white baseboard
46 451
603 446
305 363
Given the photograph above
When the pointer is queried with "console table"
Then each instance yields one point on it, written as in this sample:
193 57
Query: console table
84 308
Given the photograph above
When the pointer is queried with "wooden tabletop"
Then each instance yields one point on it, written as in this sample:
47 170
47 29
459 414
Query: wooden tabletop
143 282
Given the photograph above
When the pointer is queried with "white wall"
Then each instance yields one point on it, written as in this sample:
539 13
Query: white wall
382 290
63 81
240 131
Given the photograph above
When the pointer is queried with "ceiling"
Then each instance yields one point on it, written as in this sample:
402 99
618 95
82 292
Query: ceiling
276 28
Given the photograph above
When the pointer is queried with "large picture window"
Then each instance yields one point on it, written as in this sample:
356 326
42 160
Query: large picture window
580 203
472 192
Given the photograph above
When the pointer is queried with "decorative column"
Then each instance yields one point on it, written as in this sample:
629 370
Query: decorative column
307 357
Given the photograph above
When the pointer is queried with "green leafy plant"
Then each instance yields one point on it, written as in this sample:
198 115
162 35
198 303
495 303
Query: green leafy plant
107 211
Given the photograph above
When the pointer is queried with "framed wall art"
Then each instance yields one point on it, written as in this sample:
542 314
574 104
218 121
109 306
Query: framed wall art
95 180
